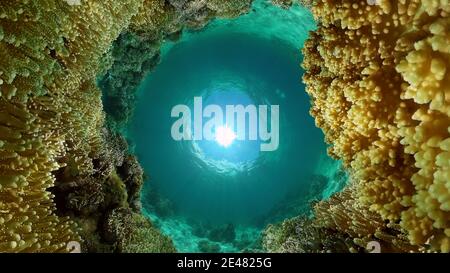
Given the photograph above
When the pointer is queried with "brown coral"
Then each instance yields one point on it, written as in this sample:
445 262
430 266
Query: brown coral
378 78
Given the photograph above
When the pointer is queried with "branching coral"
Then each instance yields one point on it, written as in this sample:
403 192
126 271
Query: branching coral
378 79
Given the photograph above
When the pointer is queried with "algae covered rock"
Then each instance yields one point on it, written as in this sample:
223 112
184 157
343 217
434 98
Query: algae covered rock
134 233
133 177
300 235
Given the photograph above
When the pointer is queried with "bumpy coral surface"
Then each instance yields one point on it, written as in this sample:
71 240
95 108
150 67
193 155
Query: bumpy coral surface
301 235
378 76
50 109
51 117
377 72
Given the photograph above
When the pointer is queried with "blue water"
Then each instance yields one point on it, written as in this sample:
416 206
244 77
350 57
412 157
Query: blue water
252 60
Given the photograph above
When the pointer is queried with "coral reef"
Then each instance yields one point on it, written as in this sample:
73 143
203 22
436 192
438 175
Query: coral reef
342 213
339 224
106 203
145 238
285 4
377 75
52 117
193 235
51 110
132 57
300 235
137 51
133 177
133 233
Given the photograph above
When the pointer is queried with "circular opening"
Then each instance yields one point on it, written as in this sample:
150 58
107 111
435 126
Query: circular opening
217 187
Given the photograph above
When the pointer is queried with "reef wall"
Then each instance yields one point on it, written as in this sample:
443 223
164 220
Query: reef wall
377 75
51 112
64 176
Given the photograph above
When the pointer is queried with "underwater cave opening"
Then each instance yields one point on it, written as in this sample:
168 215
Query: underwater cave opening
210 197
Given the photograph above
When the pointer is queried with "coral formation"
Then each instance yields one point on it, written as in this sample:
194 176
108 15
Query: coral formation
339 224
51 118
342 213
106 202
132 57
301 235
145 238
285 4
137 50
133 233
377 75
51 110
133 176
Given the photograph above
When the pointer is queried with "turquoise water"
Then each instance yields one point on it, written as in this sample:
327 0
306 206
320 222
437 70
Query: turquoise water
210 197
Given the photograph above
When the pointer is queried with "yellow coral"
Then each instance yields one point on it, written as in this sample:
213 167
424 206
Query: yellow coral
378 76
379 83
50 109
153 17
343 213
